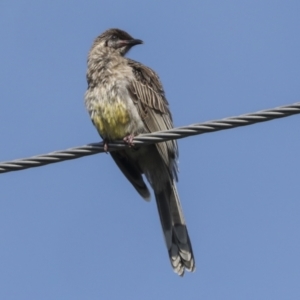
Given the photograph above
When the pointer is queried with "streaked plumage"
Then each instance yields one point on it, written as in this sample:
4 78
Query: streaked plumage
126 98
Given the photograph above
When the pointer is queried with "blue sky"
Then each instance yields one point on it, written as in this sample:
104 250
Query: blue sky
77 229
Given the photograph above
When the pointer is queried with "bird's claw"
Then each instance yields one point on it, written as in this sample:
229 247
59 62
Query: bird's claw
129 140
105 146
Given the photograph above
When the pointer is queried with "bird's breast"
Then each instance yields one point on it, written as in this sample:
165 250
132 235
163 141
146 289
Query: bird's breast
111 107
111 118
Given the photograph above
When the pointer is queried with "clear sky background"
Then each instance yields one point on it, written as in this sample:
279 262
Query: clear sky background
77 229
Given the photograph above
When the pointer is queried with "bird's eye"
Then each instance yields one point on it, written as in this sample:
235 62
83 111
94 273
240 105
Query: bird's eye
114 37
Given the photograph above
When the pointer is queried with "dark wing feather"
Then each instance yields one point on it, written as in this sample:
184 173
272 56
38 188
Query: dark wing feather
149 97
131 171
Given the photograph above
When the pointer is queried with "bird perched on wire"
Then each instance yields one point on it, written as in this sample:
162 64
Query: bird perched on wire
125 98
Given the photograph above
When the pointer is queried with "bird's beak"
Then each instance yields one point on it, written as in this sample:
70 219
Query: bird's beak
131 43
135 42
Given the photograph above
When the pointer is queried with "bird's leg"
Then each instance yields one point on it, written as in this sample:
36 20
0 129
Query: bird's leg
129 140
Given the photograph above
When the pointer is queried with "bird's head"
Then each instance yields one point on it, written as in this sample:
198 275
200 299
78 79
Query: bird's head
117 40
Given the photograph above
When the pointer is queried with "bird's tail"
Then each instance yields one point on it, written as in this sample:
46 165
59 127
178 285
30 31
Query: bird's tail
174 229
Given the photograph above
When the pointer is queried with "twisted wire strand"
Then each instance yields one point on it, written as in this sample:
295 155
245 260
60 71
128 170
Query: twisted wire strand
155 137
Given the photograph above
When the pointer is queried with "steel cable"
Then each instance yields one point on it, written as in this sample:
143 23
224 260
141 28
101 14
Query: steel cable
155 137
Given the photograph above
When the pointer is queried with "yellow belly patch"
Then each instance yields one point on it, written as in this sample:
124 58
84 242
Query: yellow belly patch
111 119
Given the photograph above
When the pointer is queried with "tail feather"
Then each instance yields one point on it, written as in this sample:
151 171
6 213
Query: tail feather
174 229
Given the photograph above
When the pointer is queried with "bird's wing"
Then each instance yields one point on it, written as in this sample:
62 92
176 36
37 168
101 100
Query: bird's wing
149 97
131 171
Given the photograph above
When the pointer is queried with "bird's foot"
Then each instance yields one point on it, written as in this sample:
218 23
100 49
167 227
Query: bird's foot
105 145
129 140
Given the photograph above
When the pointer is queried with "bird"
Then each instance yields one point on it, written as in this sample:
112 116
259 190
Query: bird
125 98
